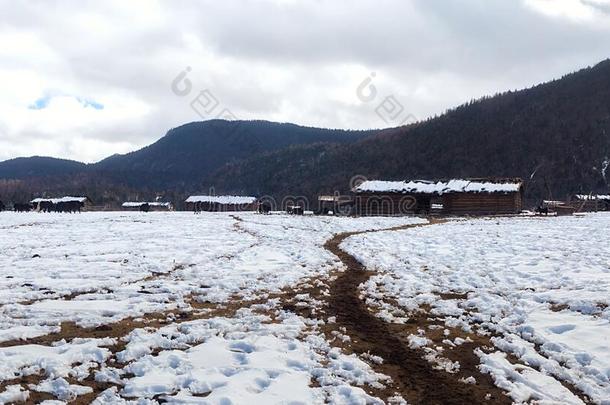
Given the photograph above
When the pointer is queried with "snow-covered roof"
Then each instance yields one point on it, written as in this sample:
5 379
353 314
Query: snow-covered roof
439 187
58 200
221 199
133 204
553 203
593 197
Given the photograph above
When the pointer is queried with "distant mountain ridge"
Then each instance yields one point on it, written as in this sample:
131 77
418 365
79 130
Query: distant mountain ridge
193 151
556 136
189 150
183 159
38 166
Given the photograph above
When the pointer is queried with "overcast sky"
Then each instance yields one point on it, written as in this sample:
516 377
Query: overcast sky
85 79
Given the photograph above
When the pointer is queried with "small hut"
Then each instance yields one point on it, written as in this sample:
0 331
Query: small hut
481 196
221 203
60 204
335 204
557 207
153 206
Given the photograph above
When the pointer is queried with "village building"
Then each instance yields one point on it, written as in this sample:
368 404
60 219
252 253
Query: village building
591 202
483 196
152 206
221 203
556 207
54 204
334 204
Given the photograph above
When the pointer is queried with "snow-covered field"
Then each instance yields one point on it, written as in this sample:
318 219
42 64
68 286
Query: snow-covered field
142 308
538 287
172 306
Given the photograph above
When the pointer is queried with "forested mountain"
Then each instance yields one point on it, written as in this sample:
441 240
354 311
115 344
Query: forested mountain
36 166
180 162
190 153
555 136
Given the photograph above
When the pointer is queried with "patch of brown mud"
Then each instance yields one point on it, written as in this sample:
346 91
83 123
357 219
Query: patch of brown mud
117 330
70 330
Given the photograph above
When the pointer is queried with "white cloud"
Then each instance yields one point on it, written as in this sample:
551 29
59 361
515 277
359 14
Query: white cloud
579 11
298 61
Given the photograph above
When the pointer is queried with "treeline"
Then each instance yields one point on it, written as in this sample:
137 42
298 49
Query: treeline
104 194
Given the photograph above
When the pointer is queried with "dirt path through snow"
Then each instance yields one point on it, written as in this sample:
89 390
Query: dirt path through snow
414 377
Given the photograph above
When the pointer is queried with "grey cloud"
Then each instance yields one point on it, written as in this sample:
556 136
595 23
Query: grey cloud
603 8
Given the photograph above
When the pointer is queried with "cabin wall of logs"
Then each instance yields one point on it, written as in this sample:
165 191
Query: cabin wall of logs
475 196
591 204
218 207
391 204
147 206
482 203
220 203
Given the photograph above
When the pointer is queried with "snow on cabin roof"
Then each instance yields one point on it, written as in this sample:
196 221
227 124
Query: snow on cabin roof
132 204
592 197
221 199
58 200
553 202
439 187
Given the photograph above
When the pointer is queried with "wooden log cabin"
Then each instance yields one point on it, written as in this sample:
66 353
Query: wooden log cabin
482 196
84 202
221 203
334 204
556 207
152 205
591 202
